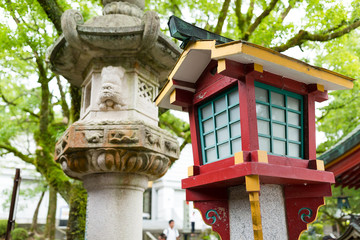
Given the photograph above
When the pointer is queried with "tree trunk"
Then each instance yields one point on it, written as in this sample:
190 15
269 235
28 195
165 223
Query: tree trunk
75 93
33 227
77 217
51 215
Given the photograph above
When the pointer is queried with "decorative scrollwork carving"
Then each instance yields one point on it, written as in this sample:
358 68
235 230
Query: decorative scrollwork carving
151 23
104 160
214 216
304 215
93 137
69 21
171 147
152 138
124 8
121 137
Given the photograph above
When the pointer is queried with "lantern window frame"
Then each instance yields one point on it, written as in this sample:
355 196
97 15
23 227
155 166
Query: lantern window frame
285 123
229 123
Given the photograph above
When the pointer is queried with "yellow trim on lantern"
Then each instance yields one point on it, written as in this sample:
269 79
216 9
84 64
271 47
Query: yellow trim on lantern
274 57
256 215
259 56
320 87
258 68
320 165
163 92
173 96
150 183
238 47
262 156
221 65
252 183
239 157
190 171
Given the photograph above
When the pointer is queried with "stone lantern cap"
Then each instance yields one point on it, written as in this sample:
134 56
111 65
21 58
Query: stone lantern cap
123 31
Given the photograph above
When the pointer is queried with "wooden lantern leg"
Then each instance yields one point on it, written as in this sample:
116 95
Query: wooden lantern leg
256 215
253 188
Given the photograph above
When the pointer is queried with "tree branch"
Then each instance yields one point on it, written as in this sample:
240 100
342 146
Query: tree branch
53 11
64 106
14 104
222 17
239 15
304 36
259 19
17 153
250 12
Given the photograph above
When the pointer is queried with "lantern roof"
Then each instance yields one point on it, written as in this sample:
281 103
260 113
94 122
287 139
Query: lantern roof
197 55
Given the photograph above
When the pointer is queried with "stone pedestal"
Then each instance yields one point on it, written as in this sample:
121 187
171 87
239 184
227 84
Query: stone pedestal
115 205
119 60
272 213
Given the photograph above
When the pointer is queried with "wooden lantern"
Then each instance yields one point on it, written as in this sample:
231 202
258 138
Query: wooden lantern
252 120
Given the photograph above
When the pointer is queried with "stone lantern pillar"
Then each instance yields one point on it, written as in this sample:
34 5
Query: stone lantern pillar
119 60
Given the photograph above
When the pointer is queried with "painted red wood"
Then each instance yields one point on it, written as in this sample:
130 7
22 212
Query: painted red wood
249 134
309 127
206 194
299 213
273 174
182 98
208 76
183 84
216 215
283 83
222 84
273 159
308 191
292 162
234 69
301 204
351 179
195 136
318 95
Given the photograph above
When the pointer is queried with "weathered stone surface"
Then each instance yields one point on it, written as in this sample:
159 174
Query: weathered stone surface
119 60
120 135
123 31
97 147
114 209
272 207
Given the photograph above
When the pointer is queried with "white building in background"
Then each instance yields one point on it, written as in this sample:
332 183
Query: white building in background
163 200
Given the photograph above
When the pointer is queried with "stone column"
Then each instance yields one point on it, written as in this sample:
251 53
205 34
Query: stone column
119 59
115 205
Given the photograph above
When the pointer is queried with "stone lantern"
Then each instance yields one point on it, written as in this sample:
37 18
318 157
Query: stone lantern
252 122
119 60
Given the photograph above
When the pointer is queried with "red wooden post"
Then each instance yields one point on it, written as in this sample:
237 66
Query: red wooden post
249 137
310 128
194 131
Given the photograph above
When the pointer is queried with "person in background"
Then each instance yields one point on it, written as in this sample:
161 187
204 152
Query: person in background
162 236
171 232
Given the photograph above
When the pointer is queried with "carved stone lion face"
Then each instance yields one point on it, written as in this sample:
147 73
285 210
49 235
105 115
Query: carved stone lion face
111 94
